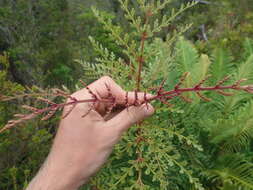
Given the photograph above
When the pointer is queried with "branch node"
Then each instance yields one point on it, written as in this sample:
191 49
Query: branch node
202 82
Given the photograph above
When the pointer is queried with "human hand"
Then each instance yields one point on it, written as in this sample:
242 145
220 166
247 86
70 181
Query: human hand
83 144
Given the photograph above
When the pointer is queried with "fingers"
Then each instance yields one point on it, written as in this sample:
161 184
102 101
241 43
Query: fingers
130 116
100 89
133 98
106 85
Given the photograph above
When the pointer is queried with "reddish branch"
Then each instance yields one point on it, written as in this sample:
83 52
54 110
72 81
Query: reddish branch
160 94
140 58
141 61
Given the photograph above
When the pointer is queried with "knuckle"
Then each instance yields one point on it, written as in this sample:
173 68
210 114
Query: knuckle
107 78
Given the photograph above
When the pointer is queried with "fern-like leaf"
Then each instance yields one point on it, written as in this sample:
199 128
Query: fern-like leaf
221 64
234 172
235 133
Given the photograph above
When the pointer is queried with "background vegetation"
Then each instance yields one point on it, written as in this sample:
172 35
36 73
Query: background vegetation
40 42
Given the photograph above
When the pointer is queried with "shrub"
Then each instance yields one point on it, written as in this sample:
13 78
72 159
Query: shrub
184 146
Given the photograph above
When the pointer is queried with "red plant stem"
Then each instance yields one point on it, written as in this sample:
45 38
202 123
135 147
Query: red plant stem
140 59
57 106
175 92
161 95
194 89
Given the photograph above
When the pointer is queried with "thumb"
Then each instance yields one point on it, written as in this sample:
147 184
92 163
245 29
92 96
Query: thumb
130 116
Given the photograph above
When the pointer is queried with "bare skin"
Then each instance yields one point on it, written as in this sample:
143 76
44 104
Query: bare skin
83 144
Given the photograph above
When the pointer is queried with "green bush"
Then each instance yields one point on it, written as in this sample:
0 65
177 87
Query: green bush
202 145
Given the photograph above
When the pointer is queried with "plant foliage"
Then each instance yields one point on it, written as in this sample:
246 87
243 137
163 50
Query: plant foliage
205 144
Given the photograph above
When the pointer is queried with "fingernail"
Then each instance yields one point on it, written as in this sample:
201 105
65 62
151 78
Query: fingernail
148 109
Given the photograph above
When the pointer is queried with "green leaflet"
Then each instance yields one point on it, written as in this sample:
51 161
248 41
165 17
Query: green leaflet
234 133
234 171
245 70
221 64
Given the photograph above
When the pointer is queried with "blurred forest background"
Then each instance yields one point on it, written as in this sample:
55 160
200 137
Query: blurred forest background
41 39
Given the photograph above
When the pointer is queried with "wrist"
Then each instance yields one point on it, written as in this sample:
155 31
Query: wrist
53 177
